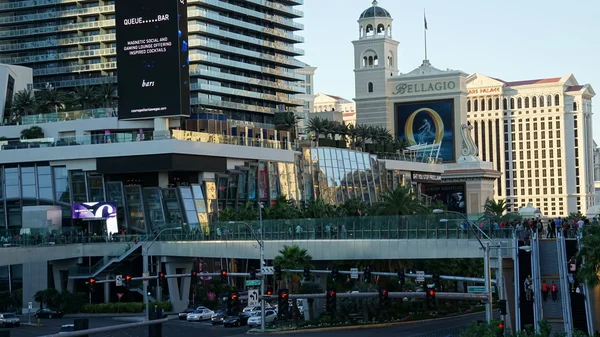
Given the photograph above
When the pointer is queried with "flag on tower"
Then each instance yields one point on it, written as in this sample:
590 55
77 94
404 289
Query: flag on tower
425 19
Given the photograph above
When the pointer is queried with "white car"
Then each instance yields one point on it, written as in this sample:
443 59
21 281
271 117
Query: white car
270 317
199 315
257 308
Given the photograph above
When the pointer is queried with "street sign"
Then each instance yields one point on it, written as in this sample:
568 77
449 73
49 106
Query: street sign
251 283
420 276
267 270
119 280
30 305
252 297
145 275
478 289
354 273
119 296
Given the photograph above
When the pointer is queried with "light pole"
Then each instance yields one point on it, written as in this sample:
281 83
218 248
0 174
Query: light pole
486 258
261 243
145 266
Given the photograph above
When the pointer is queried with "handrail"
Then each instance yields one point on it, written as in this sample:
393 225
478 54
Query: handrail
535 261
564 283
586 293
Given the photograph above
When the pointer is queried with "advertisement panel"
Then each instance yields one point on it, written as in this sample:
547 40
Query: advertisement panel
97 211
427 127
453 196
152 58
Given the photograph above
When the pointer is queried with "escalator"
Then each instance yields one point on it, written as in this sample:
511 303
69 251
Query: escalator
578 305
526 307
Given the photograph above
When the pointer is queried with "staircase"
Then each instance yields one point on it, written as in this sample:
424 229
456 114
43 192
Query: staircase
549 270
106 265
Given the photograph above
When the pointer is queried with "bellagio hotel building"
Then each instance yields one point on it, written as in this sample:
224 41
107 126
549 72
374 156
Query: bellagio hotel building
538 133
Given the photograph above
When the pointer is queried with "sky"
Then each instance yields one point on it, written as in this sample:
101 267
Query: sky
511 39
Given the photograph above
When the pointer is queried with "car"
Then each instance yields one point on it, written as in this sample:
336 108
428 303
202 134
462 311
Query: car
236 320
67 328
184 314
256 308
270 317
9 319
199 315
218 317
48 313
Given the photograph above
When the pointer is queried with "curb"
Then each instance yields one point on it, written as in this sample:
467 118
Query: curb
366 326
111 315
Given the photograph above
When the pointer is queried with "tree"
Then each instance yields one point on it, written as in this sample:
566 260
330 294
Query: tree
287 121
51 99
354 207
496 208
51 297
282 209
34 132
317 209
84 96
590 253
317 125
401 201
106 93
23 104
292 257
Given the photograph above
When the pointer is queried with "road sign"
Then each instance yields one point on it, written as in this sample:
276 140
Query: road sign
420 276
119 296
267 270
478 289
252 297
119 280
250 283
145 275
30 305
354 273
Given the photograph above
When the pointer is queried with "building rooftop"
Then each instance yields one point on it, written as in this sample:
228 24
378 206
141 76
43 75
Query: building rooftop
375 12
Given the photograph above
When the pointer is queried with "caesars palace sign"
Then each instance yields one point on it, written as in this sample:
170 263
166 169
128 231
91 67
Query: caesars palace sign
404 88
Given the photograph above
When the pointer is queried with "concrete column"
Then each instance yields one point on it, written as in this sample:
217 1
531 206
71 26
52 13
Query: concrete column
163 179
57 278
36 280
179 295
107 290
60 270
161 128
158 270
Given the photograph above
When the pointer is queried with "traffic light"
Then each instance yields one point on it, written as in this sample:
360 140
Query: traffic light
502 307
436 280
282 303
401 278
233 302
269 290
224 276
430 298
330 302
127 281
501 329
367 275
278 276
252 274
383 298
334 274
194 277
92 284
306 273
162 279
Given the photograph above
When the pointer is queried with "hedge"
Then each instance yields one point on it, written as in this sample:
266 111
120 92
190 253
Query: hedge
123 307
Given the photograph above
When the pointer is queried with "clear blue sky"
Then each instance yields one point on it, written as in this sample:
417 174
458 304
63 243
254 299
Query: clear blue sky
510 39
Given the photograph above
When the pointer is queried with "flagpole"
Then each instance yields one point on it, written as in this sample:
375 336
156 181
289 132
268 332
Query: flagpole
425 32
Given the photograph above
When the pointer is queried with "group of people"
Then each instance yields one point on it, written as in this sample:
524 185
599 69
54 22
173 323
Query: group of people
546 288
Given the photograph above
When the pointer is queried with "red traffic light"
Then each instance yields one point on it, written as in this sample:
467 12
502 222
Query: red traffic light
331 293
128 278
161 275
194 273
501 325
384 292
223 272
431 292
92 280
234 296
284 295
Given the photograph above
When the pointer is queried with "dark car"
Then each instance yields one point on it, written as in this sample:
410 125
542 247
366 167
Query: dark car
236 320
218 317
48 313
183 315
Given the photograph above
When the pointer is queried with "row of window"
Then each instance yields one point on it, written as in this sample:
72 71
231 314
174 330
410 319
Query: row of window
533 102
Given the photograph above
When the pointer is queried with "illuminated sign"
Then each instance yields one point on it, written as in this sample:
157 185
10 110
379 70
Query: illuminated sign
485 91
426 177
404 88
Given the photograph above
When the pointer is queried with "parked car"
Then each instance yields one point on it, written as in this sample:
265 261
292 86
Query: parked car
237 320
48 313
255 320
218 317
67 328
9 319
199 315
184 314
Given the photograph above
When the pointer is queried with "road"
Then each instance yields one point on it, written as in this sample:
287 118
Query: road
177 328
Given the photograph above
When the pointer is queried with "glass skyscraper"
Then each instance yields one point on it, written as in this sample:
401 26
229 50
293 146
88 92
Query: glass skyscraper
242 51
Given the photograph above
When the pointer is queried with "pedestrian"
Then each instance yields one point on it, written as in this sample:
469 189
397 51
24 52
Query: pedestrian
544 290
527 286
554 291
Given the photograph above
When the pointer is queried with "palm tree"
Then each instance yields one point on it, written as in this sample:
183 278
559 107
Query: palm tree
495 208
22 105
293 257
287 121
317 209
51 99
401 201
317 125
590 251
364 133
107 94
84 96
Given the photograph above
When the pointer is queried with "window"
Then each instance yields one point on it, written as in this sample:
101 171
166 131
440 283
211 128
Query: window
475 105
364 62
380 29
505 104
370 30
497 105
519 103
512 103
549 100
468 106
370 87
44 182
534 102
556 100
489 105
542 101
483 105
376 61
526 102
11 178
574 106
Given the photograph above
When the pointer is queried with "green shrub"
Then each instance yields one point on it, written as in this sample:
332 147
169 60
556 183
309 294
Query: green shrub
123 307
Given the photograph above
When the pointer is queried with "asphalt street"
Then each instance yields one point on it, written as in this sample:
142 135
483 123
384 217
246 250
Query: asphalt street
177 328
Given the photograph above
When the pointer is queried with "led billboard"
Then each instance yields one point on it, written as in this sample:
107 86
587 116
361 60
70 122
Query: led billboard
152 58
97 211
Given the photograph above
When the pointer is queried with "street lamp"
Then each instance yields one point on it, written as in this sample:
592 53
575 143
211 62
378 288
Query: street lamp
486 257
145 265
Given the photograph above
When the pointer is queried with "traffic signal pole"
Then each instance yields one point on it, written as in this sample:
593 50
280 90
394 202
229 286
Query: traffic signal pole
262 264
